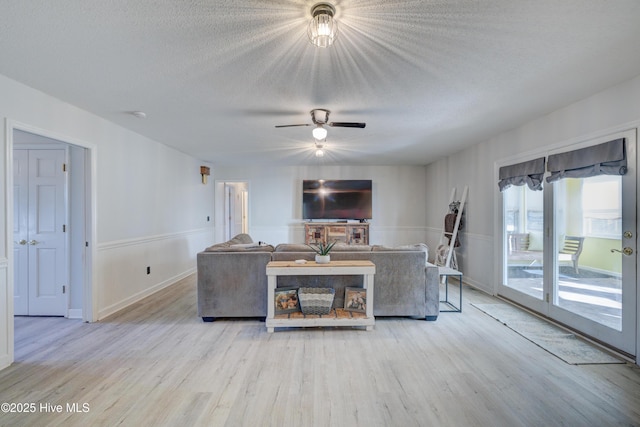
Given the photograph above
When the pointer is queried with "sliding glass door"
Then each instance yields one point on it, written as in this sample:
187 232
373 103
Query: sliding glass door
524 226
570 250
594 278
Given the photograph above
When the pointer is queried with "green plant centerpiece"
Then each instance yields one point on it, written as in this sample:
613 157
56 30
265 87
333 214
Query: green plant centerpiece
322 251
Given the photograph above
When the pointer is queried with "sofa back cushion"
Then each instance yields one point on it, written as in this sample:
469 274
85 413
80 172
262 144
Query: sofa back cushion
413 247
240 243
344 247
252 248
292 247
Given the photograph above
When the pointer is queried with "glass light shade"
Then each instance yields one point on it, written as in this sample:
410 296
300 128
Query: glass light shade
322 28
319 133
319 152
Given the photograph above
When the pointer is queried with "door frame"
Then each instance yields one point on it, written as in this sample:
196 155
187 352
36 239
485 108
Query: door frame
573 143
90 303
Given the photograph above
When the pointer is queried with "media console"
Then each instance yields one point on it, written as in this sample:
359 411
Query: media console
327 232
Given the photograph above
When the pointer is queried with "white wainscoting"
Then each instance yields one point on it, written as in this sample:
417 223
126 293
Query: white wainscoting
475 258
122 266
6 319
397 235
477 261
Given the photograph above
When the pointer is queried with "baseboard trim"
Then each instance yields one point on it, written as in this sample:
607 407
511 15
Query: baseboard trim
114 308
74 313
477 285
5 361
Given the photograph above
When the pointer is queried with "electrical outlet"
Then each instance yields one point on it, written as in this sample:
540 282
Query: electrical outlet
148 270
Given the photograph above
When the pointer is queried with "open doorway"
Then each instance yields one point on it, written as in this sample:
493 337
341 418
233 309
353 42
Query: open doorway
232 214
53 225
49 226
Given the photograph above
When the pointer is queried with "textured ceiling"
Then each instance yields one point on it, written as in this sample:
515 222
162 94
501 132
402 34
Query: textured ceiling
214 77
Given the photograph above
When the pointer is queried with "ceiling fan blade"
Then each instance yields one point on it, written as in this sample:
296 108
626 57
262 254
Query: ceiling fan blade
347 124
289 126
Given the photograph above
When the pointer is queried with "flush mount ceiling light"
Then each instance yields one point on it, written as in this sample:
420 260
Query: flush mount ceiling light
323 28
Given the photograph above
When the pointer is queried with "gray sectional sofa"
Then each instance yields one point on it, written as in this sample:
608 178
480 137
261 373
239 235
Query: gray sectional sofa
232 280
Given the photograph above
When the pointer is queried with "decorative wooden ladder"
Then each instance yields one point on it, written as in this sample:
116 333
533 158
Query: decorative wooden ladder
451 237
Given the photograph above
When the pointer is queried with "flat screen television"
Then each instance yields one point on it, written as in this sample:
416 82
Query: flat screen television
336 199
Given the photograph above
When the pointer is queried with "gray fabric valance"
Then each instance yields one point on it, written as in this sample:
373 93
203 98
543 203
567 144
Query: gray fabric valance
603 159
529 173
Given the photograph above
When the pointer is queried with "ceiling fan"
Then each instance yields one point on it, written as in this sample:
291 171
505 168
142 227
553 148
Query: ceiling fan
320 117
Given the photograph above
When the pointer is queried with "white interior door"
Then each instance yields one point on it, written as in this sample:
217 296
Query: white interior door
41 230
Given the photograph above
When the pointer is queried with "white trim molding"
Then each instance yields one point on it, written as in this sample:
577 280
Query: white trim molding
124 303
6 323
118 244
74 313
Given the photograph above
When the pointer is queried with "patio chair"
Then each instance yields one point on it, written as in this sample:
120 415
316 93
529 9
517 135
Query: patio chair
571 250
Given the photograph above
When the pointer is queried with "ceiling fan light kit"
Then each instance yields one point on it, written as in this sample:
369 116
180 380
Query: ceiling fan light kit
320 117
319 133
323 29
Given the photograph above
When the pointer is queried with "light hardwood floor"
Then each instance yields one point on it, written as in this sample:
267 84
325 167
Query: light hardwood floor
158 364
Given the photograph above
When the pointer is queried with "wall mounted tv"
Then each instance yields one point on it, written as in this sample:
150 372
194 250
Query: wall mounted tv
336 199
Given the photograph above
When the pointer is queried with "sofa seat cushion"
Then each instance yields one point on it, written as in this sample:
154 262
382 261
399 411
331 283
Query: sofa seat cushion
241 238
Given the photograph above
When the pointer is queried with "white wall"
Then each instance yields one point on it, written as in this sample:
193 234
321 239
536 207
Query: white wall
275 200
157 211
151 207
617 108
613 110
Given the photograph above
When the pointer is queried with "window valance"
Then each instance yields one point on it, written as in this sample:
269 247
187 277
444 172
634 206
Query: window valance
603 159
530 173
